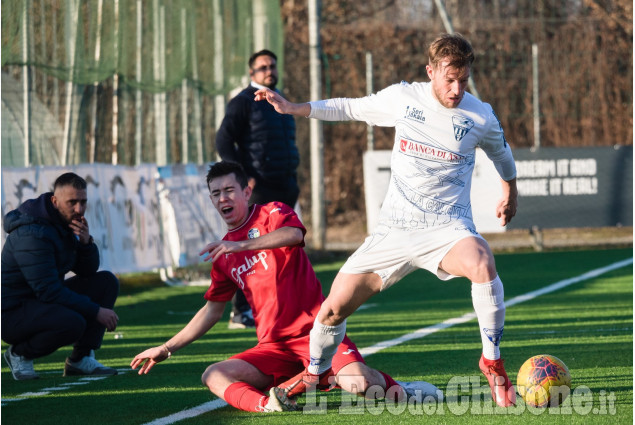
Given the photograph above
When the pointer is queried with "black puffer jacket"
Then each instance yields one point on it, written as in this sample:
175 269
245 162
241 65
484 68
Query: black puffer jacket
262 140
40 249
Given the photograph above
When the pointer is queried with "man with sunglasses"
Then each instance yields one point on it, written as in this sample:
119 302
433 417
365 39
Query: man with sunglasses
262 140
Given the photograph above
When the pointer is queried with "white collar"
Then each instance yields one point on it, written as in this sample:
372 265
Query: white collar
260 86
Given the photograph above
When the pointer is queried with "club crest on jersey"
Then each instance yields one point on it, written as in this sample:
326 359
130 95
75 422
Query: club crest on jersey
253 233
462 126
494 335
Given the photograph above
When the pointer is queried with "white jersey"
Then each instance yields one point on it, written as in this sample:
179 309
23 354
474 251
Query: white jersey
433 155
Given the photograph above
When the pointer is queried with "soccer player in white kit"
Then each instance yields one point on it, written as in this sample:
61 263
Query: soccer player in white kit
426 219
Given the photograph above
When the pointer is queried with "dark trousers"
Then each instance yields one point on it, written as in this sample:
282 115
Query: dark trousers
239 303
37 329
263 194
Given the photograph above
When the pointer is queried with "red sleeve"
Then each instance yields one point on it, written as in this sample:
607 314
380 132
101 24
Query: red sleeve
281 215
222 289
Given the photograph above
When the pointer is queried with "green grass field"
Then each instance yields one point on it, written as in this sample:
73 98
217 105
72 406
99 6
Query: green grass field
589 325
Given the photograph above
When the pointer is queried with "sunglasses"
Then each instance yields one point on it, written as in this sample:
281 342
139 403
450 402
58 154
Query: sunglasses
265 68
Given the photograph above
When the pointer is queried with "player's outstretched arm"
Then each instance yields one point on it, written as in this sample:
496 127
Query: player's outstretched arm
284 236
282 105
202 322
507 205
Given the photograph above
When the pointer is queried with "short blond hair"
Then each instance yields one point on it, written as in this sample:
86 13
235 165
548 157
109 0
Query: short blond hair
452 47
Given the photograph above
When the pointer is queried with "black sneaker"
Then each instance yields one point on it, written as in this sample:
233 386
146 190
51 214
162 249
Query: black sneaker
241 321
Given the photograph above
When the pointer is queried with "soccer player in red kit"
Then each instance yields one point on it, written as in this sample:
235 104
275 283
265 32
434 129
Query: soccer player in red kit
262 254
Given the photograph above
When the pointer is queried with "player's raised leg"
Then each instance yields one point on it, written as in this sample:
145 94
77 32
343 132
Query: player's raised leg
348 292
240 384
472 258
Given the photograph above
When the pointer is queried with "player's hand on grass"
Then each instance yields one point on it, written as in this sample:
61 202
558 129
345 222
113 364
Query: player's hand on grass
149 358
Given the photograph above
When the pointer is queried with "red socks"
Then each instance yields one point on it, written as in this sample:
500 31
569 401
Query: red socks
245 397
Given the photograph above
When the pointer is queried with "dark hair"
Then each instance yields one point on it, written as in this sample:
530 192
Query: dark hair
453 47
264 52
70 179
224 168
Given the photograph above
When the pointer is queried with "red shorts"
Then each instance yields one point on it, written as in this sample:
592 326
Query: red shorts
284 360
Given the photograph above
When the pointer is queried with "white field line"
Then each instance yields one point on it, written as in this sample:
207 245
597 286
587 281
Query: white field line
64 386
420 333
189 413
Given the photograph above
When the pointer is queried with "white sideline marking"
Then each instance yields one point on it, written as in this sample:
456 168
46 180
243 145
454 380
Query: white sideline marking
555 286
94 378
419 333
33 394
365 306
65 386
189 413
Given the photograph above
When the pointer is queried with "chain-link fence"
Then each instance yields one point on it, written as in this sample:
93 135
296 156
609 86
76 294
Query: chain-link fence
124 81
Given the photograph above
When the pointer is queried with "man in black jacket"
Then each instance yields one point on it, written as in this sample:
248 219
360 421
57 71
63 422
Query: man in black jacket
41 310
254 135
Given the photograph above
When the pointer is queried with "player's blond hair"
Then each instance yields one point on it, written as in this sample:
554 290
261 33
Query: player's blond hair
452 47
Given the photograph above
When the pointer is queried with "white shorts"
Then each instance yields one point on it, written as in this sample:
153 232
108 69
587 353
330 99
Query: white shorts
392 253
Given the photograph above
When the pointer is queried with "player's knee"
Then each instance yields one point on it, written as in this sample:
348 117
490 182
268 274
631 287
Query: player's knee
356 384
110 288
481 269
331 314
210 376
358 378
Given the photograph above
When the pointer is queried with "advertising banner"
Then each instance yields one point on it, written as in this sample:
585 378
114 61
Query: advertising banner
123 211
574 187
558 188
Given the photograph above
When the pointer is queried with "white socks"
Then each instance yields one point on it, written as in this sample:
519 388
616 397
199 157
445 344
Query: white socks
323 345
489 305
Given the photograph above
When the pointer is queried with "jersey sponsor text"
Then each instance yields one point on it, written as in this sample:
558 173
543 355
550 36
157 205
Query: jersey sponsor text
237 272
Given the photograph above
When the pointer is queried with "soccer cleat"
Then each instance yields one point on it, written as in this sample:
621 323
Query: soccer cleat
278 402
305 381
421 391
87 366
241 321
503 391
21 367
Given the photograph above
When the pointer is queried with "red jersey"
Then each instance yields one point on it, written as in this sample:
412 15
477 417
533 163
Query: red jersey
279 284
